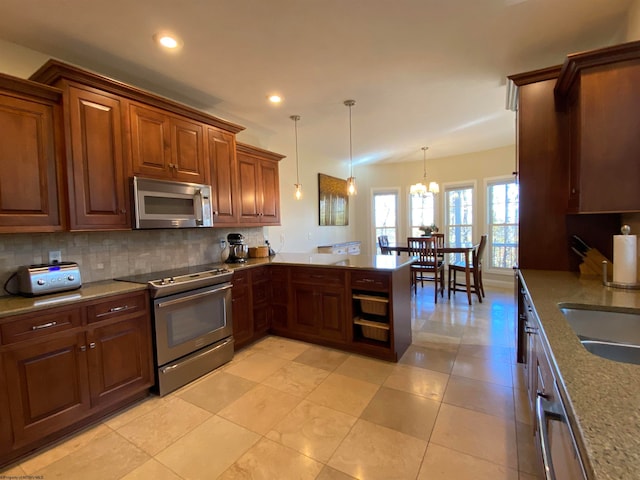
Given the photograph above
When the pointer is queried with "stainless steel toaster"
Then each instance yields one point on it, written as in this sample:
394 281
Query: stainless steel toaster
48 278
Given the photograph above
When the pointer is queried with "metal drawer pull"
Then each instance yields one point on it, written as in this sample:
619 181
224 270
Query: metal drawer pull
367 280
44 325
118 309
121 308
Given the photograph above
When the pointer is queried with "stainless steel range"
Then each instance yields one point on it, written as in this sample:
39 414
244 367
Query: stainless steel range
192 322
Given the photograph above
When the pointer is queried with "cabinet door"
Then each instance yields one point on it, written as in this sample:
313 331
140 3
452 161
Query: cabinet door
47 385
119 360
187 150
269 182
261 299
221 149
605 132
150 142
306 309
332 321
250 193
97 186
29 162
279 298
242 309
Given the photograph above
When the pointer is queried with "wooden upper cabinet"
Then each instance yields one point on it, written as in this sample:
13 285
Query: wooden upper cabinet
221 153
600 91
98 187
114 130
259 185
31 152
166 146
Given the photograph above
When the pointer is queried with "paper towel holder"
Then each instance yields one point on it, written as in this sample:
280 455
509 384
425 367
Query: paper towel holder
606 283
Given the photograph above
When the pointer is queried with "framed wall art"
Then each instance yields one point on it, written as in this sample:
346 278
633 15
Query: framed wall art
333 200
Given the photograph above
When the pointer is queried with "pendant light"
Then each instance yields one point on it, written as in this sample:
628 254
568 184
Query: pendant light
421 189
298 185
351 181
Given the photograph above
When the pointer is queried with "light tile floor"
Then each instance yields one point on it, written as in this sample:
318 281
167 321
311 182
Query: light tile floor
453 408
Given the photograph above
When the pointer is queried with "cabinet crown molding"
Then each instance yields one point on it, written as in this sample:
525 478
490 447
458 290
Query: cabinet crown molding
54 70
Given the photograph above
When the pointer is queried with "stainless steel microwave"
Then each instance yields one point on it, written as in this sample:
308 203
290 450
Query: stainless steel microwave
167 204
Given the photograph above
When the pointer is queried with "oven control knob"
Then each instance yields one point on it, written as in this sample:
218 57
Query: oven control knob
171 280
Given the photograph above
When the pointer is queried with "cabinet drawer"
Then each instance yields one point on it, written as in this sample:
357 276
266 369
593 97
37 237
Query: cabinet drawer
115 307
369 281
318 276
259 275
240 279
26 327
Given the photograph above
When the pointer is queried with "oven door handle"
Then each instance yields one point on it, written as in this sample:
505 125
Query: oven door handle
189 298
545 409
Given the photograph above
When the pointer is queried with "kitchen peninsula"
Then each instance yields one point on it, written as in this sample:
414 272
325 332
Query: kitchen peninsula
359 303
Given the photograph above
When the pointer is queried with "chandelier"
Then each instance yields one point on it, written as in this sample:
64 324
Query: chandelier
422 189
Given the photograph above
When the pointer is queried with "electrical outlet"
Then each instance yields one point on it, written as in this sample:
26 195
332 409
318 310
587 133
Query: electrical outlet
282 238
309 236
55 256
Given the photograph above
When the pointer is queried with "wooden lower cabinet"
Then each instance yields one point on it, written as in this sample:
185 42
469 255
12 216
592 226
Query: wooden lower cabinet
279 298
319 311
319 299
59 373
119 360
48 386
250 296
241 308
260 293
319 305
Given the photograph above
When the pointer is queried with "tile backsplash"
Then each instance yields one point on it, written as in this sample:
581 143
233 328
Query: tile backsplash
106 255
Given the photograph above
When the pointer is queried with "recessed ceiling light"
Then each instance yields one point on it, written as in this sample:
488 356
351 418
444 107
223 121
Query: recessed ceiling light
275 98
167 40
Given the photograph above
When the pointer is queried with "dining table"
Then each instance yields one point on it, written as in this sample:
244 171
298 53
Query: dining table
466 250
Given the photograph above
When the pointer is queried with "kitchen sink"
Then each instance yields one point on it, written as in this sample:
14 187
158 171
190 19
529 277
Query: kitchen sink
618 352
605 325
609 334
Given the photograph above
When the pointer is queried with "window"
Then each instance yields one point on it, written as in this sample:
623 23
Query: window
503 214
422 212
459 218
385 214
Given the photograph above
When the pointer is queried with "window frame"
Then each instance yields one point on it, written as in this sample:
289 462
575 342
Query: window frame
488 182
384 191
468 184
409 201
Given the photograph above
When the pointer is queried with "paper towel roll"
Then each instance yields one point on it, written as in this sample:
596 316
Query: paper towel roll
625 257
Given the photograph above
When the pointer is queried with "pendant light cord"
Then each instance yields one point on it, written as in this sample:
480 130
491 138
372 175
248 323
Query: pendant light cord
350 145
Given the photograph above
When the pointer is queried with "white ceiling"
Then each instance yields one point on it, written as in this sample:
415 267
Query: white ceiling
422 72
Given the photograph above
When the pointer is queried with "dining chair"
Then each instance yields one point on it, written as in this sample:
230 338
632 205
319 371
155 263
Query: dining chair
476 286
427 265
383 243
439 238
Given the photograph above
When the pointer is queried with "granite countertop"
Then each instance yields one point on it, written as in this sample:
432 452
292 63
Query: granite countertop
603 396
364 262
16 305
13 305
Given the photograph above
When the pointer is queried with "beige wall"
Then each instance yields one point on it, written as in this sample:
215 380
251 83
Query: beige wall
633 22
